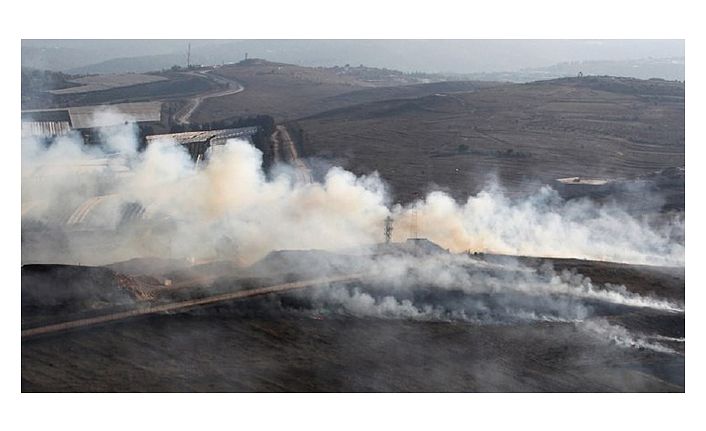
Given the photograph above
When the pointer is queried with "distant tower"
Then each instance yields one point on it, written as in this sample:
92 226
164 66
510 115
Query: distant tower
388 229
188 56
415 216
415 230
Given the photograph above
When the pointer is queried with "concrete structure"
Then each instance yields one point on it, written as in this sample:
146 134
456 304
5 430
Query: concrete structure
578 186
92 117
46 123
44 129
199 143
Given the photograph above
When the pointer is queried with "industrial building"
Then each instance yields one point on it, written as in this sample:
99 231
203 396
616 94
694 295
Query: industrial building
47 123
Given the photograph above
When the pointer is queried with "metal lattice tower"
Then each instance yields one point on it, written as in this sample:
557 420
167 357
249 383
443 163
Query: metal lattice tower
415 227
388 229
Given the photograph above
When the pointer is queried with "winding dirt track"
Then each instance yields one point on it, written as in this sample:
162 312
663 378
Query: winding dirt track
182 305
185 113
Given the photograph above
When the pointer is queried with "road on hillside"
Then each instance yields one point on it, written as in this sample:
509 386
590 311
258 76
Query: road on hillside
282 143
183 116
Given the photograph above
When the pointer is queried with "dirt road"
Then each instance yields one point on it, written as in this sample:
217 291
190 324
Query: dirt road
183 116
282 144
182 305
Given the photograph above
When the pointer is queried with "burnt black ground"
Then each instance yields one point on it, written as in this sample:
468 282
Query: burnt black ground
258 346
288 343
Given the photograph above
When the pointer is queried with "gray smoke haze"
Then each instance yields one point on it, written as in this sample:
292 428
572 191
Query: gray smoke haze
228 209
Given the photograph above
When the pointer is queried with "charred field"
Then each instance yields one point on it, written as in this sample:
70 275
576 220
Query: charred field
369 335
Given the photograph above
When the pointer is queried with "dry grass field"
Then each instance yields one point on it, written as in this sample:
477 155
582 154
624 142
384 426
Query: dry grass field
522 134
287 91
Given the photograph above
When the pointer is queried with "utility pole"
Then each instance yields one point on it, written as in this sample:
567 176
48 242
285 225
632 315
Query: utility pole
188 57
388 229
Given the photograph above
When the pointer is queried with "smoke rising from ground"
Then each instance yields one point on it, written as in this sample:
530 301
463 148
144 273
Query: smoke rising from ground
228 209
465 288
461 288
620 336
101 205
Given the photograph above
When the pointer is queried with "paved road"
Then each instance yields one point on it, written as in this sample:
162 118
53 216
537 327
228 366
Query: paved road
183 116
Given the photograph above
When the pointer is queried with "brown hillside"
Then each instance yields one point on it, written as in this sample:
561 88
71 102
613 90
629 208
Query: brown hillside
524 133
287 91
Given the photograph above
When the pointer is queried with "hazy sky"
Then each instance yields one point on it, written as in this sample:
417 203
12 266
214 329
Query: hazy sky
460 56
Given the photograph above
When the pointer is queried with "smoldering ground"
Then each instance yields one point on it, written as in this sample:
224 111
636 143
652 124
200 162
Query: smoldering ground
465 289
453 322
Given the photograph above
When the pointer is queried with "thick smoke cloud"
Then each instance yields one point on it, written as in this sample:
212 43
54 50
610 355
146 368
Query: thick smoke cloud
227 209
75 199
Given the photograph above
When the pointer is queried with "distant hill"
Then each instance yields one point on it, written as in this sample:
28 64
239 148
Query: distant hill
140 64
665 68
429 56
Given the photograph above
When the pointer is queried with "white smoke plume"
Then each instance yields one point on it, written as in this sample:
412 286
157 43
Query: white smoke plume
463 288
620 336
228 209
